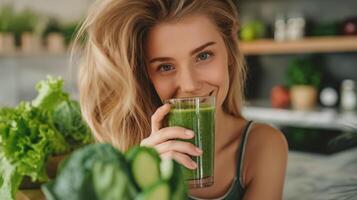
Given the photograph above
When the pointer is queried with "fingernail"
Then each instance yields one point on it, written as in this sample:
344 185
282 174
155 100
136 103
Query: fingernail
189 133
194 165
199 150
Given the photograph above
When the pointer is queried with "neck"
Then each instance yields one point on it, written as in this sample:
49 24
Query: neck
228 128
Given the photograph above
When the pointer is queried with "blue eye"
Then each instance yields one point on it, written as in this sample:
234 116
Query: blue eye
203 56
165 67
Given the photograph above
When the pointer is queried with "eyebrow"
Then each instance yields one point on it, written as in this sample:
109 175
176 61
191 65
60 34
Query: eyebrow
200 48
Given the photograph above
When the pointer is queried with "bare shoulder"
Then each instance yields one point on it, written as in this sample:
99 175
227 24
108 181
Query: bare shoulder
264 136
266 152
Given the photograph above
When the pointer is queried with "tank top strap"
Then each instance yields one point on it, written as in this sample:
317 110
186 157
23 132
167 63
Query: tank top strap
241 153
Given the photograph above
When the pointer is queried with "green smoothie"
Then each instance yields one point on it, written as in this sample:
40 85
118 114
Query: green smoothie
201 121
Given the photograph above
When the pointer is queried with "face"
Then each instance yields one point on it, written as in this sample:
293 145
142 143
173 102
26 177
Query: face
188 58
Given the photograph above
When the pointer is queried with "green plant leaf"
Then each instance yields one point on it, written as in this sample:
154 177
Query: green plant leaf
303 72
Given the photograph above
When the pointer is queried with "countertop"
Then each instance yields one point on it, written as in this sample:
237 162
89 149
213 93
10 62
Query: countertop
314 176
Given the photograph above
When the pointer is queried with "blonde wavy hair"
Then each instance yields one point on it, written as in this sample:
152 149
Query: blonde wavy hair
116 96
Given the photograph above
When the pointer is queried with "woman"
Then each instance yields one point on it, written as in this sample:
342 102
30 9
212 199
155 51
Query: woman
140 52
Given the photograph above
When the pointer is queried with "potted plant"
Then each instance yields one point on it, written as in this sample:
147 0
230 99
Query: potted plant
304 79
55 42
23 26
7 40
69 31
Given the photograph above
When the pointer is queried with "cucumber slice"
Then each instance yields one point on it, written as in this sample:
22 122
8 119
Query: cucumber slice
167 169
111 181
171 171
145 166
158 191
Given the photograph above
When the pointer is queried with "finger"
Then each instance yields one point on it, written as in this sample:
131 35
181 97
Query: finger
178 146
158 116
169 133
144 142
183 159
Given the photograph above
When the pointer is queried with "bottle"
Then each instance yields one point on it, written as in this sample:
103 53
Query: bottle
280 29
348 95
295 27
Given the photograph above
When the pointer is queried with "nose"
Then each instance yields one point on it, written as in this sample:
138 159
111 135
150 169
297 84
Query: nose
189 83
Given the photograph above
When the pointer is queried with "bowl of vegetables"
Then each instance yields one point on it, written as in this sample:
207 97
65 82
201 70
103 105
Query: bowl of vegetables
100 171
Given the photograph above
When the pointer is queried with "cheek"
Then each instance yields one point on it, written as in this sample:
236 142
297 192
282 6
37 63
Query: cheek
223 87
220 78
163 87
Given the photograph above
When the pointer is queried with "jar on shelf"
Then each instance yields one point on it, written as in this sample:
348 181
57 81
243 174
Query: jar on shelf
348 95
280 29
295 27
7 42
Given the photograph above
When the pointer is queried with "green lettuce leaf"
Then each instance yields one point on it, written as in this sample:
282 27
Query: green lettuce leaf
50 93
27 141
10 179
67 118
32 132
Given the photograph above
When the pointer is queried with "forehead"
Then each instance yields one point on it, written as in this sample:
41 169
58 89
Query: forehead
173 38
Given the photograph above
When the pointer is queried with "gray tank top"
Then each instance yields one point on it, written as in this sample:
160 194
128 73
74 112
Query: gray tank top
236 190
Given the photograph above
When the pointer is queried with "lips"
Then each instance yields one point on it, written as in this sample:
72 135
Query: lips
212 93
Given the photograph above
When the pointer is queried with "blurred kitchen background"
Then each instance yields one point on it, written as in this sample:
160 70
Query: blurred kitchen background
301 57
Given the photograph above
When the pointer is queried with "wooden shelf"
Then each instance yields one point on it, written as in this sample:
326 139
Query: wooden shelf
32 54
267 46
307 45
